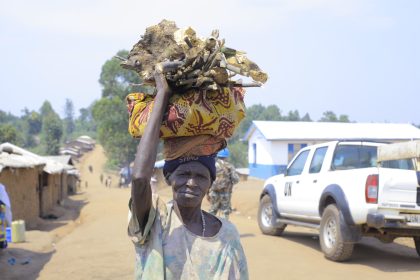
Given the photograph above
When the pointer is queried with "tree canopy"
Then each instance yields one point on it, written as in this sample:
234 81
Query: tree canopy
69 125
52 129
110 113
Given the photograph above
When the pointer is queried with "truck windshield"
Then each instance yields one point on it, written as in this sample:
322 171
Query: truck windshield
354 156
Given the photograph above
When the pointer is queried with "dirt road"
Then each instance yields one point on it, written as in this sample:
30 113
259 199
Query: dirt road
91 242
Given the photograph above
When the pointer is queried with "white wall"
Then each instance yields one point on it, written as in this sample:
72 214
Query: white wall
268 152
279 152
263 149
271 152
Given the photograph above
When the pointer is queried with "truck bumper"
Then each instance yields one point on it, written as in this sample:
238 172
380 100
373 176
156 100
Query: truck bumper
380 222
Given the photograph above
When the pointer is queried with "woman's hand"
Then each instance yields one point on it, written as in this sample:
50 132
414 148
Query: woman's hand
161 83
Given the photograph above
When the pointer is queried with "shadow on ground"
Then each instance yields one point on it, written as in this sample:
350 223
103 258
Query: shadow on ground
17 264
69 210
370 252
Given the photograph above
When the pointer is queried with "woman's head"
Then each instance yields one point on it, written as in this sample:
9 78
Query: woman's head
190 179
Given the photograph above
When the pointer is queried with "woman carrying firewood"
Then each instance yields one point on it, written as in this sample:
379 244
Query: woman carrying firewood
178 240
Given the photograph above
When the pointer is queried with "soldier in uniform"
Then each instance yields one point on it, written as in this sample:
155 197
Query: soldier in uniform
220 193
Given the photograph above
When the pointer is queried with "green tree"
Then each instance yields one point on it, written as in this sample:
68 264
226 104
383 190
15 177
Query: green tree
115 80
306 118
33 121
8 133
85 124
7 118
11 129
238 147
110 113
111 116
330 116
52 129
293 116
260 113
238 153
46 109
270 113
343 118
69 125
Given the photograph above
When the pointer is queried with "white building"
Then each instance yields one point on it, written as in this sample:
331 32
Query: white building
272 144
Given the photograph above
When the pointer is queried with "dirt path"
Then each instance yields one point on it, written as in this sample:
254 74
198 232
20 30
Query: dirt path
98 248
94 245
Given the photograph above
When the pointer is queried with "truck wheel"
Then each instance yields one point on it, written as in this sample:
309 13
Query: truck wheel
417 244
266 218
331 239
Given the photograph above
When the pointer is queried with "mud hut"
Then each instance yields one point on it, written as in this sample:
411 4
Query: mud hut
20 175
71 176
51 181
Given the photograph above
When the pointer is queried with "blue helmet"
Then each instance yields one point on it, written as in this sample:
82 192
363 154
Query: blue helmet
223 153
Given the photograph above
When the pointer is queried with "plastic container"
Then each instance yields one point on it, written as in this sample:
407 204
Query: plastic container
9 234
18 231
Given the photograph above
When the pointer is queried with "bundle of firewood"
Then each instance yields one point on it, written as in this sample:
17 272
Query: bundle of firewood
189 61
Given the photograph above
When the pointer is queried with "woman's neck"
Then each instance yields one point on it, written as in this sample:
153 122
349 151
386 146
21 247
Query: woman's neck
190 215
192 218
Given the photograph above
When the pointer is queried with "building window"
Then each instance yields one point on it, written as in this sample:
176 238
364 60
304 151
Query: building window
290 152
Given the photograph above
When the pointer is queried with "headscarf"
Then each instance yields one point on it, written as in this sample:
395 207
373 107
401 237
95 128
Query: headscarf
207 161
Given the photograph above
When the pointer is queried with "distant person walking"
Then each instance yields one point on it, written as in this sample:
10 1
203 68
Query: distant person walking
220 193
109 181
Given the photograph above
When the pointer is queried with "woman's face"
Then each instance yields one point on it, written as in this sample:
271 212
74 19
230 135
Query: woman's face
190 182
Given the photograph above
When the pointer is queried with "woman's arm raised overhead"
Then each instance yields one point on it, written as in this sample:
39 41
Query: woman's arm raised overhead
141 193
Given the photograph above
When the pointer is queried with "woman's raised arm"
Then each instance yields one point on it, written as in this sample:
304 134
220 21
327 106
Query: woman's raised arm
144 162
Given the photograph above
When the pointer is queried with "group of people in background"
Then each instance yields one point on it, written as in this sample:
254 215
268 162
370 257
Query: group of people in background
107 182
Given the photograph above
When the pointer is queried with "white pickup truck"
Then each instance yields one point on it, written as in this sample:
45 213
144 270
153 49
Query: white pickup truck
347 189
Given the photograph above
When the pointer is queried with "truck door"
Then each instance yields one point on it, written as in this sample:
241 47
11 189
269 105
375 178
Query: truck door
291 183
310 187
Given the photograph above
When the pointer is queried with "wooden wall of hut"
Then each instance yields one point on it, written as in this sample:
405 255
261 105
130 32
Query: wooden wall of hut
22 187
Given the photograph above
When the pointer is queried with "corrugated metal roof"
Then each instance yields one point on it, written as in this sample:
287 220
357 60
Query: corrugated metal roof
51 166
87 139
74 172
277 130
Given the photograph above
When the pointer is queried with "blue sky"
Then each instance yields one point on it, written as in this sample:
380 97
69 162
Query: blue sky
360 57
